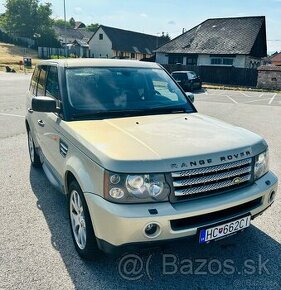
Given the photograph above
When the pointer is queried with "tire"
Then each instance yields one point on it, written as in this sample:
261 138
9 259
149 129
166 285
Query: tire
33 155
80 224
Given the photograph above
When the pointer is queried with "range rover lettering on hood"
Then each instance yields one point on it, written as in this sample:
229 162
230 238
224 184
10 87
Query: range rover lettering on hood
218 160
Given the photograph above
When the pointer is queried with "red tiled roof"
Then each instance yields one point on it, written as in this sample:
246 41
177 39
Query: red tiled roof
276 57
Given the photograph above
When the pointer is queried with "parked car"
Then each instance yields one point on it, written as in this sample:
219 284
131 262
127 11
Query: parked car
136 160
188 80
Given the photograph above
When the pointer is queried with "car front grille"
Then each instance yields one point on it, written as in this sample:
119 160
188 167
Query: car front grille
195 183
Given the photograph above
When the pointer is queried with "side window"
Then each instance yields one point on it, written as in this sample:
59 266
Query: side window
34 80
42 81
180 76
52 84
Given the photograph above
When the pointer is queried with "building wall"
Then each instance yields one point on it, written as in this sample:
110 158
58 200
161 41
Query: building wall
162 58
238 60
128 55
100 48
269 79
253 62
204 59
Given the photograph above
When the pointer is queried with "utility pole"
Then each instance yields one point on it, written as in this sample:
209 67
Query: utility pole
64 9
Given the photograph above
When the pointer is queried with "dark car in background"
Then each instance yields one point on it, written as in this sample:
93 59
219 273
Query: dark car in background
188 80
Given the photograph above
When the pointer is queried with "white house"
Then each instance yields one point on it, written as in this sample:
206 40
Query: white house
238 42
110 42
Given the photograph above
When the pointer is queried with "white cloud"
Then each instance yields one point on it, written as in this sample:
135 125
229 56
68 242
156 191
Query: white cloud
144 15
171 22
78 10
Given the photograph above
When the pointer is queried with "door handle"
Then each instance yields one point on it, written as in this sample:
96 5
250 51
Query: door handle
41 123
30 110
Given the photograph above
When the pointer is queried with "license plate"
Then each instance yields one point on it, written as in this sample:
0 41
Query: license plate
224 230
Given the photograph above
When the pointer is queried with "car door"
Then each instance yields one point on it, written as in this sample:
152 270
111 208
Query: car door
30 113
52 142
36 117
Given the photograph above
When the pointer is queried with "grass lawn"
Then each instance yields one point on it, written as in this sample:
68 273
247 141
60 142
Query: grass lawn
11 55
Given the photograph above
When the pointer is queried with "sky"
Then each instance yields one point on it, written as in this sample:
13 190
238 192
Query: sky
157 16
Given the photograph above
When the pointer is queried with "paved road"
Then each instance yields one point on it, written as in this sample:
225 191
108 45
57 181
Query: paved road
36 251
239 97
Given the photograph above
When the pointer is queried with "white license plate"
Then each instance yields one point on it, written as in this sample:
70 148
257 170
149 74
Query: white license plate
219 231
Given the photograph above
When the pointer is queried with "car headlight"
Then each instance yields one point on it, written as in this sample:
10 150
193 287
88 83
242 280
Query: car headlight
261 164
135 188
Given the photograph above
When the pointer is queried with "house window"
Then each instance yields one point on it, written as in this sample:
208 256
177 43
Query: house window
133 55
100 36
191 61
216 61
222 61
174 59
228 61
144 55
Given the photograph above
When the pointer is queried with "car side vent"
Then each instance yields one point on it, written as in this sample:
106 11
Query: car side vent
63 148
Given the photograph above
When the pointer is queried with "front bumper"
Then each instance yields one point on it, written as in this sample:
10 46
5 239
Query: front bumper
120 224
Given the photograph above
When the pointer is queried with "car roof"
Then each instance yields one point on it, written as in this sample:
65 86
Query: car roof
98 62
183 71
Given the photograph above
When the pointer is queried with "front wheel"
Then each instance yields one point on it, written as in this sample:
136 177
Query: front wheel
81 225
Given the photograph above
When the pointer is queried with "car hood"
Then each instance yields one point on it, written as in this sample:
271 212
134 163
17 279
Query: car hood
162 143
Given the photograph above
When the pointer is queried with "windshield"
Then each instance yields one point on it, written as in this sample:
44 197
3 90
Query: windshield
123 90
192 75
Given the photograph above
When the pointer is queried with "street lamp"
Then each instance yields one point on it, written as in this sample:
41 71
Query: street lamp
64 9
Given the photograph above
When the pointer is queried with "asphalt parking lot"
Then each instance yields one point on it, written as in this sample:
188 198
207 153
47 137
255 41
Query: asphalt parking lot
240 97
36 250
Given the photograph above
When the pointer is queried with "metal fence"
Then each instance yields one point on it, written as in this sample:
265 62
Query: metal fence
220 74
47 52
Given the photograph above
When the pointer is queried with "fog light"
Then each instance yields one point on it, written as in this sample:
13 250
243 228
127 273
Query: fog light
271 197
116 193
152 230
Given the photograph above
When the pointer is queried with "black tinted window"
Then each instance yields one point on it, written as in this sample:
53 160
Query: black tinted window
179 76
52 84
34 80
42 81
110 89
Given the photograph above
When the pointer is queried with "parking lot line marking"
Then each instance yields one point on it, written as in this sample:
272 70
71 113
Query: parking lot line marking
271 100
261 95
245 95
12 115
259 100
231 99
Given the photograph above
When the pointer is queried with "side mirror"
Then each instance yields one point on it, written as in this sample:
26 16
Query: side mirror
44 104
190 96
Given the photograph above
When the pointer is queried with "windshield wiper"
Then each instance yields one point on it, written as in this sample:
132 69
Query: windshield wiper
167 110
111 113
128 113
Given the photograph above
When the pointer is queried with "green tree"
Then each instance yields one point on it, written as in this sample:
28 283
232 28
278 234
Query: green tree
2 19
61 23
92 27
165 37
72 22
29 18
